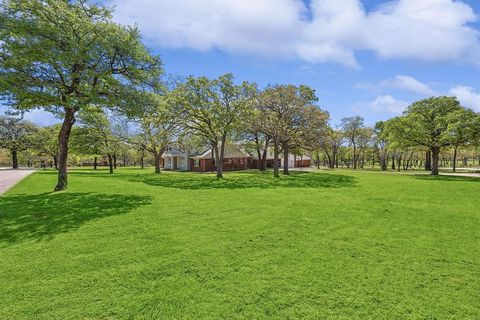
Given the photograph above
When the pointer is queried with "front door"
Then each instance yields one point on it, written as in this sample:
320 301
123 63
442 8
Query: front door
175 160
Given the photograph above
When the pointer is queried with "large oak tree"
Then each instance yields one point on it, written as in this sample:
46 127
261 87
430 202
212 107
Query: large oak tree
214 110
434 123
65 55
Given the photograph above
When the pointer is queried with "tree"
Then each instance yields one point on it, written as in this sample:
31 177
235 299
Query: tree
214 110
283 109
330 143
464 130
254 134
160 126
95 136
381 144
315 130
66 55
435 123
47 143
352 129
16 135
308 121
365 140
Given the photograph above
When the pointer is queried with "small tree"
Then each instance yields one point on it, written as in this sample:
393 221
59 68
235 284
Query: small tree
352 129
315 130
47 143
381 144
16 135
255 136
159 126
95 136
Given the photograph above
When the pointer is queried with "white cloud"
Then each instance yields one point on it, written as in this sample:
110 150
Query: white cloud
326 31
467 96
408 83
387 104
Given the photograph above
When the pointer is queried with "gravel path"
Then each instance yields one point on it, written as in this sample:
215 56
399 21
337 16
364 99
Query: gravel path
9 178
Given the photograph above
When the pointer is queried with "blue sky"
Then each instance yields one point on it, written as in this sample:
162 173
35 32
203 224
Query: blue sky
369 58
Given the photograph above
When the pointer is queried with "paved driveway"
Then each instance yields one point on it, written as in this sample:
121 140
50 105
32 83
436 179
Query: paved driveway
8 178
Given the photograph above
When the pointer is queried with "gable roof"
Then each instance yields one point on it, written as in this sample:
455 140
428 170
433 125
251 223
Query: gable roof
231 151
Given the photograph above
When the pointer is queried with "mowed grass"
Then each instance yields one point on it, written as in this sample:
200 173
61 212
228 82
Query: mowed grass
319 245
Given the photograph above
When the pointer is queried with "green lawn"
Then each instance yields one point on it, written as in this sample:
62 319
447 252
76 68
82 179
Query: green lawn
326 245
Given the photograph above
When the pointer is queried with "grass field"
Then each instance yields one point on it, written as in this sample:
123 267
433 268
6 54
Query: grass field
323 245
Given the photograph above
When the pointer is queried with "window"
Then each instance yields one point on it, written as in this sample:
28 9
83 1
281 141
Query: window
196 163
169 161
182 161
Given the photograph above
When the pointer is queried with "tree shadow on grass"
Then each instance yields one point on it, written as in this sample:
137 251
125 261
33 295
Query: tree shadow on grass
42 216
446 178
247 180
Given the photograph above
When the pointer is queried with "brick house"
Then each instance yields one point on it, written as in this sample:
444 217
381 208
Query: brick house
234 159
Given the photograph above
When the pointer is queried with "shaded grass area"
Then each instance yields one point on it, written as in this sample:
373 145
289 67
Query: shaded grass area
45 215
343 244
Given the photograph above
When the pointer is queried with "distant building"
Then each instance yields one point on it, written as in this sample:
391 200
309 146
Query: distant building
175 159
234 159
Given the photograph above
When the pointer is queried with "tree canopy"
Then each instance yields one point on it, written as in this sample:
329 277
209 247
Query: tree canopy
66 55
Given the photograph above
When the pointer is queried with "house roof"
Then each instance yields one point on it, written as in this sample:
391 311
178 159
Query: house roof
174 152
231 151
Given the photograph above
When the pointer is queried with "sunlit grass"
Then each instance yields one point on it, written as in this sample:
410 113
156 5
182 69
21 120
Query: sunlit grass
339 244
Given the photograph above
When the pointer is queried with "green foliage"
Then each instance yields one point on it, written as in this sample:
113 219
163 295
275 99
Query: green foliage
435 122
213 109
16 134
94 134
70 54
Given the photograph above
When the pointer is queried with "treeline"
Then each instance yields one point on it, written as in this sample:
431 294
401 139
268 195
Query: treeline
71 59
432 132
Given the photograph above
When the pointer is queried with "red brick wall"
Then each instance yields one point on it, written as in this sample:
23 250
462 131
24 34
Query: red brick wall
303 163
229 164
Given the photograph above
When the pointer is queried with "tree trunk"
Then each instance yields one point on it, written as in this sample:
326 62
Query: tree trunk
393 162
435 151
454 159
142 164
334 158
285 159
275 158
114 161
428 161
263 162
157 158
354 157
55 162
260 158
399 163
63 137
383 162
110 162
317 159
14 159
220 154
95 163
